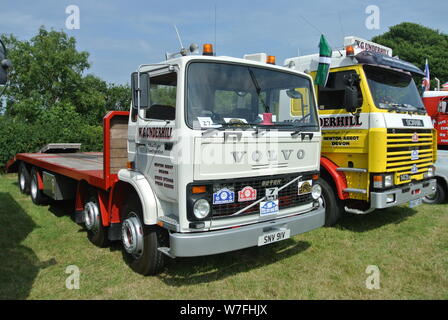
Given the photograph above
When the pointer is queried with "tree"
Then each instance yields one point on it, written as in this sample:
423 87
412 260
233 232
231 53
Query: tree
415 43
48 69
50 97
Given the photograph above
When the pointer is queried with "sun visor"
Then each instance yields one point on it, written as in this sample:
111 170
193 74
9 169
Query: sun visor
375 58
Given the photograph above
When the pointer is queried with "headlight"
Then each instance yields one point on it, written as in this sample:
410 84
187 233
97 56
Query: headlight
201 208
388 181
316 191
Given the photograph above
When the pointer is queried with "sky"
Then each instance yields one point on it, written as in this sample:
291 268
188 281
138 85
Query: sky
120 35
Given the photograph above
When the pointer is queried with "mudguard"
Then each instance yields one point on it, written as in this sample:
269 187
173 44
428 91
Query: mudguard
145 193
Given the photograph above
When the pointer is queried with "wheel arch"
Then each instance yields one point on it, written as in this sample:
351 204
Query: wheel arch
131 181
328 172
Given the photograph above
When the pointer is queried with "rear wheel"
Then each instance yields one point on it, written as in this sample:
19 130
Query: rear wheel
437 197
96 231
140 241
24 178
37 196
331 203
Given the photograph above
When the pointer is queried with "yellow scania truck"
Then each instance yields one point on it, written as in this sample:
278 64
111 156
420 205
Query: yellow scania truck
379 145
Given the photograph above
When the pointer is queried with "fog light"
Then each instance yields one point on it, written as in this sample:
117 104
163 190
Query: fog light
201 208
390 198
316 191
388 181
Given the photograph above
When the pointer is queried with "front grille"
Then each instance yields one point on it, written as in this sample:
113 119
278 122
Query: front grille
288 197
400 147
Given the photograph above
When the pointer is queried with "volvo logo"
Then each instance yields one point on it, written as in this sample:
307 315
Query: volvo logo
270 155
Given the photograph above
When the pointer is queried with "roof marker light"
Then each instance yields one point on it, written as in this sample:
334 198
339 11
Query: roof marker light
349 51
270 59
207 49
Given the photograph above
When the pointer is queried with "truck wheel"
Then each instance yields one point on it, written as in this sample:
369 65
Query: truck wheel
96 231
23 179
140 241
332 205
437 197
37 196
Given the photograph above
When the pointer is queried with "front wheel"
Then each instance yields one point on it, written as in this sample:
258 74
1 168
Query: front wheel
333 206
140 241
437 197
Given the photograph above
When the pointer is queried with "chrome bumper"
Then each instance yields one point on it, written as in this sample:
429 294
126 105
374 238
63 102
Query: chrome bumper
213 242
403 195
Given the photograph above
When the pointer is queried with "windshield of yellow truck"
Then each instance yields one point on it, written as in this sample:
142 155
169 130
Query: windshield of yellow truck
393 90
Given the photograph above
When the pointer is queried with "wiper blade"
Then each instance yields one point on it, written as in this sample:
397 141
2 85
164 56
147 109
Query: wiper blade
258 90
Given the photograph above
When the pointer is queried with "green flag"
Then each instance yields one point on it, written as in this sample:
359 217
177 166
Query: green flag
324 62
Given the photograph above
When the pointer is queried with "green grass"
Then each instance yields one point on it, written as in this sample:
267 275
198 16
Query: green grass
410 247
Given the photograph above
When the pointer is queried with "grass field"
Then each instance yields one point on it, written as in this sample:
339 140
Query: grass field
409 246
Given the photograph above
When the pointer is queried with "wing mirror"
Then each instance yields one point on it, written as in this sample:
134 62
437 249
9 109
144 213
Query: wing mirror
140 91
5 64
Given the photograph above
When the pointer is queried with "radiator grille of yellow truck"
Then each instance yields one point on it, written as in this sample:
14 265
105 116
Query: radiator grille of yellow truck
409 153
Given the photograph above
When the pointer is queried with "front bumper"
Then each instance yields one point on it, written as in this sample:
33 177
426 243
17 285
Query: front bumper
213 242
403 195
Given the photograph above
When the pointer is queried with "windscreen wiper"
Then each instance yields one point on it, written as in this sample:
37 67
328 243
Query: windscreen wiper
303 134
258 90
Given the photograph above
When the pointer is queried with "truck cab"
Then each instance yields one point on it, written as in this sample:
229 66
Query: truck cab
436 104
223 153
379 145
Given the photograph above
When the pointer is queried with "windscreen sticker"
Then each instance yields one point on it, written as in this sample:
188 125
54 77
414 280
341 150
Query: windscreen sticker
229 120
207 122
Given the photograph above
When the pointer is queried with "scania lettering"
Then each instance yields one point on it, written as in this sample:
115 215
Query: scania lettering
379 145
216 154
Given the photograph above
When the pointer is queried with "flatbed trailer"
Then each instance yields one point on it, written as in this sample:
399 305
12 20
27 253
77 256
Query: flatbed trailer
85 169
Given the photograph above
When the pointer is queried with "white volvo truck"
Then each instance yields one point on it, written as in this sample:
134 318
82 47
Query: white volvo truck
216 154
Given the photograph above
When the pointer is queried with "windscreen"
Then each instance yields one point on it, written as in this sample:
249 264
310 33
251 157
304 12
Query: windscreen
221 95
393 90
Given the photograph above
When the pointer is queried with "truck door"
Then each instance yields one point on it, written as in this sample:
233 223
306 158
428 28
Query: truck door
441 121
155 137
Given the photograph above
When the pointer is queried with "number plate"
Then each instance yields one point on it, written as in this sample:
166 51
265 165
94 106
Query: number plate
414 203
273 237
405 177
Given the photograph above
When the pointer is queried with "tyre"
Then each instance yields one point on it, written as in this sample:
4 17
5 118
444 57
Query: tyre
37 196
23 179
140 241
331 203
96 231
438 197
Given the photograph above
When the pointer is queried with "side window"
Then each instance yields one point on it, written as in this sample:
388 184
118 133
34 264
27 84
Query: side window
443 106
162 97
332 95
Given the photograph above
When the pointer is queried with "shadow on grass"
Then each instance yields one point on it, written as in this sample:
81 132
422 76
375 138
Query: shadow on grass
19 264
375 219
192 271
